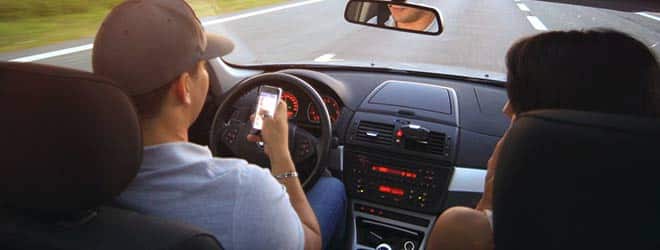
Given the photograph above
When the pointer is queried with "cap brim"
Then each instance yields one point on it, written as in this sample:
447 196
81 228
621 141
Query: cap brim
217 46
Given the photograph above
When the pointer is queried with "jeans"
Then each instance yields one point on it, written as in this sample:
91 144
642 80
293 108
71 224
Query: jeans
328 200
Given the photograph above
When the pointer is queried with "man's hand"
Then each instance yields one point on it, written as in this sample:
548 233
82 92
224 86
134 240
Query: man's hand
275 136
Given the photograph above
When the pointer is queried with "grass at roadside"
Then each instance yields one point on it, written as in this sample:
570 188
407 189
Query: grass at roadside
24 27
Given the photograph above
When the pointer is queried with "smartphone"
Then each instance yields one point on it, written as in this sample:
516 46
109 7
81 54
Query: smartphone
267 101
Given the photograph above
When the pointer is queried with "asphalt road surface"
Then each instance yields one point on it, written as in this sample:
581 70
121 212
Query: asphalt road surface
477 33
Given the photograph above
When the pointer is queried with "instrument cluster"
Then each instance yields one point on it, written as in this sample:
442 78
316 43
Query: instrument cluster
300 108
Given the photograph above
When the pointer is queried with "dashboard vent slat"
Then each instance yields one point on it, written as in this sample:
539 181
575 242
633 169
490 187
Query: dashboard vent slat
375 133
438 143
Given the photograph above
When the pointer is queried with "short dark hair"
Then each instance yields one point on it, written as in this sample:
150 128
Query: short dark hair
596 70
149 105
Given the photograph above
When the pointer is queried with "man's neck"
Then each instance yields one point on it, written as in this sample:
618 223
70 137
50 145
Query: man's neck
420 25
158 131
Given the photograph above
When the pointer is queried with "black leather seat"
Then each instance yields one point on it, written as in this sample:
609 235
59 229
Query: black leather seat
578 180
70 143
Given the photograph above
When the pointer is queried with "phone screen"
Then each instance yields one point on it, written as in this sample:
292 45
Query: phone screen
267 102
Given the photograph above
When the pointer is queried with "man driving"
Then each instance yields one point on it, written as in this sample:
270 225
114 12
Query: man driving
408 18
156 50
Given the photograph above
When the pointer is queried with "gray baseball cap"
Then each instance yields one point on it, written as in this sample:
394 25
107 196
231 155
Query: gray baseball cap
145 44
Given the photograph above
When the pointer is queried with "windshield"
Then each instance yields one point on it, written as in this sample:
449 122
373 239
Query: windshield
476 36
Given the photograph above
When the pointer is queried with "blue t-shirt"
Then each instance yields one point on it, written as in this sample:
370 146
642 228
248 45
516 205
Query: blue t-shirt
241 204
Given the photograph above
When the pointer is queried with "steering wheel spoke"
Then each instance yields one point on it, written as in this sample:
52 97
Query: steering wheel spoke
304 146
233 132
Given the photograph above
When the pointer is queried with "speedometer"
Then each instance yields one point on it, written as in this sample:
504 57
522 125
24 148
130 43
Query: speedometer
333 109
291 104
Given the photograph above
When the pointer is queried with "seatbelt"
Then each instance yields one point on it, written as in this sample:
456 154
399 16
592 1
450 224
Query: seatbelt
383 15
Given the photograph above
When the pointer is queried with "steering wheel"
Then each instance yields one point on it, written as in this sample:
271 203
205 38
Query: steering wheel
231 126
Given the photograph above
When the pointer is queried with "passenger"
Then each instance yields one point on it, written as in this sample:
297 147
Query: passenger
155 50
597 70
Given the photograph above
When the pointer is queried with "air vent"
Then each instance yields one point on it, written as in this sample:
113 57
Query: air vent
376 133
437 145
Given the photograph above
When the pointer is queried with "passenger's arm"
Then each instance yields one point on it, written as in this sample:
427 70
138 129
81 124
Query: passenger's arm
486 201
276 138
461 228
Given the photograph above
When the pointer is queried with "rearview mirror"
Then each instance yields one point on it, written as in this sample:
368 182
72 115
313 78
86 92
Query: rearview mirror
399 15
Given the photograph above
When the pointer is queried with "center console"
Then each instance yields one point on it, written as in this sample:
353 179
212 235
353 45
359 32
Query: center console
398 164
382 227
396 181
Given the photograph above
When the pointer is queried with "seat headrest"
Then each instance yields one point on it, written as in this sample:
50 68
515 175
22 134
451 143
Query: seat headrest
70 140
578 180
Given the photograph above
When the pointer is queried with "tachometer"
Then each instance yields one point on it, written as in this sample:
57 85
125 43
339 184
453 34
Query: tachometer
291 104
333 109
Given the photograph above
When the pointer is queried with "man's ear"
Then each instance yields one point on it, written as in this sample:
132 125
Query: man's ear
181 88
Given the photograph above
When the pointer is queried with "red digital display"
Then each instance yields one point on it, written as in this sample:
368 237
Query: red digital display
393 171
391 190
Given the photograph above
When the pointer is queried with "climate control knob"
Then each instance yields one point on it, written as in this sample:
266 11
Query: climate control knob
384 246
409 245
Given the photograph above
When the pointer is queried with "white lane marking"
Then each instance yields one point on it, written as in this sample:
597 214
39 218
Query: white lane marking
648 15
47 55
523 7
327 58
536 23
85 47
260 12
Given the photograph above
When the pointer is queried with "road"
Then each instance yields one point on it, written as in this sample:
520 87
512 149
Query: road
477 33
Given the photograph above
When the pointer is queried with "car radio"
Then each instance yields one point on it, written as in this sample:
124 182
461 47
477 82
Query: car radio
399 182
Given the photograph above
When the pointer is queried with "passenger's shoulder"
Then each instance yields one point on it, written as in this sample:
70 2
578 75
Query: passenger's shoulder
461 228
464 214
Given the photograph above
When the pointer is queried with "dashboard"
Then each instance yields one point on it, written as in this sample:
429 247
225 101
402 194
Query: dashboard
406 146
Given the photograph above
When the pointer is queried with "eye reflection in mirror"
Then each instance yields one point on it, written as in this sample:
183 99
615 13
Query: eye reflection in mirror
402 16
